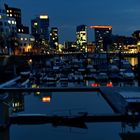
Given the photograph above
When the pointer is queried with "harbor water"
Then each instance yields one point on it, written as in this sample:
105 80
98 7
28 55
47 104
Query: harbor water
64 104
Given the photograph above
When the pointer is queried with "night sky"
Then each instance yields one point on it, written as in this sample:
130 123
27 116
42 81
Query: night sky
123 15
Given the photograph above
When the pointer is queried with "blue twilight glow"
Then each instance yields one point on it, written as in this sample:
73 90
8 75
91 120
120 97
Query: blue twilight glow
66 15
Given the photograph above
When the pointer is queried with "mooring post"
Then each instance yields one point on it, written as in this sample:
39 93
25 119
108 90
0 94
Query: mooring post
4 115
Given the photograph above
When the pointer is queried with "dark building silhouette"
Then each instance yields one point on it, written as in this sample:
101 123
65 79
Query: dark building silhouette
102 33
136 35
101 37
16 14
40 27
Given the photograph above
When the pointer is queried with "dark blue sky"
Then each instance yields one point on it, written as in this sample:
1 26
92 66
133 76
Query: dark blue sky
123 15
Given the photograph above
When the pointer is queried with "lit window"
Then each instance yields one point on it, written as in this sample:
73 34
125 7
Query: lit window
25 39
46 99
43 16
32 39
21 38
9 21
56 43
0 16
19 30
13 22
35 24
7 11
10 15
16 104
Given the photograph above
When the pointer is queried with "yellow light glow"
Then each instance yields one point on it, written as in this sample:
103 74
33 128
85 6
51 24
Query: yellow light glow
35 24
34 86
29 47
46 99
43 16
38 93
138 43
30 61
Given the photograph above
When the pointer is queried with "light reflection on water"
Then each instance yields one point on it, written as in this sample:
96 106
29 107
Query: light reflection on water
63 102
132 60
66 104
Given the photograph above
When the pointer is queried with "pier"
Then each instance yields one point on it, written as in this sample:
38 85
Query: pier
115 100
118 104
72 121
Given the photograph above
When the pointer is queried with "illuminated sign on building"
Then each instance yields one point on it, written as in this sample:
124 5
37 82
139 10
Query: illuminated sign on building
43 17
101 27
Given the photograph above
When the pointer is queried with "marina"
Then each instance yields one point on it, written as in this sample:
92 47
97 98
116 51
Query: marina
78 80
62 79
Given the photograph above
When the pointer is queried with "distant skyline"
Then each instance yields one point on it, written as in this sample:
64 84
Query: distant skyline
123 15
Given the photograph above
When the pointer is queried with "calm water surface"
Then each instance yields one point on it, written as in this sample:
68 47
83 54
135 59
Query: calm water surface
65 104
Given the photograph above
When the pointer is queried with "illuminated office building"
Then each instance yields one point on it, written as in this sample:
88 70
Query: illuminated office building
40 27
26 42
81 36
7 24
101 34
7 28
16 14
54 38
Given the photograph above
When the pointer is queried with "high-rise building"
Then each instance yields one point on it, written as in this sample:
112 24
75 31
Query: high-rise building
7 24
16 14
81 36
7 29
54 38
102 34
40 27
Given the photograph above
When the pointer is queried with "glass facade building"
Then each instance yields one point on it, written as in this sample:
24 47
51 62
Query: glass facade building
40 27
81 35
54 38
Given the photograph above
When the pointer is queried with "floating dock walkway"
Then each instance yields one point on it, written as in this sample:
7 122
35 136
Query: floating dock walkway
114 98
